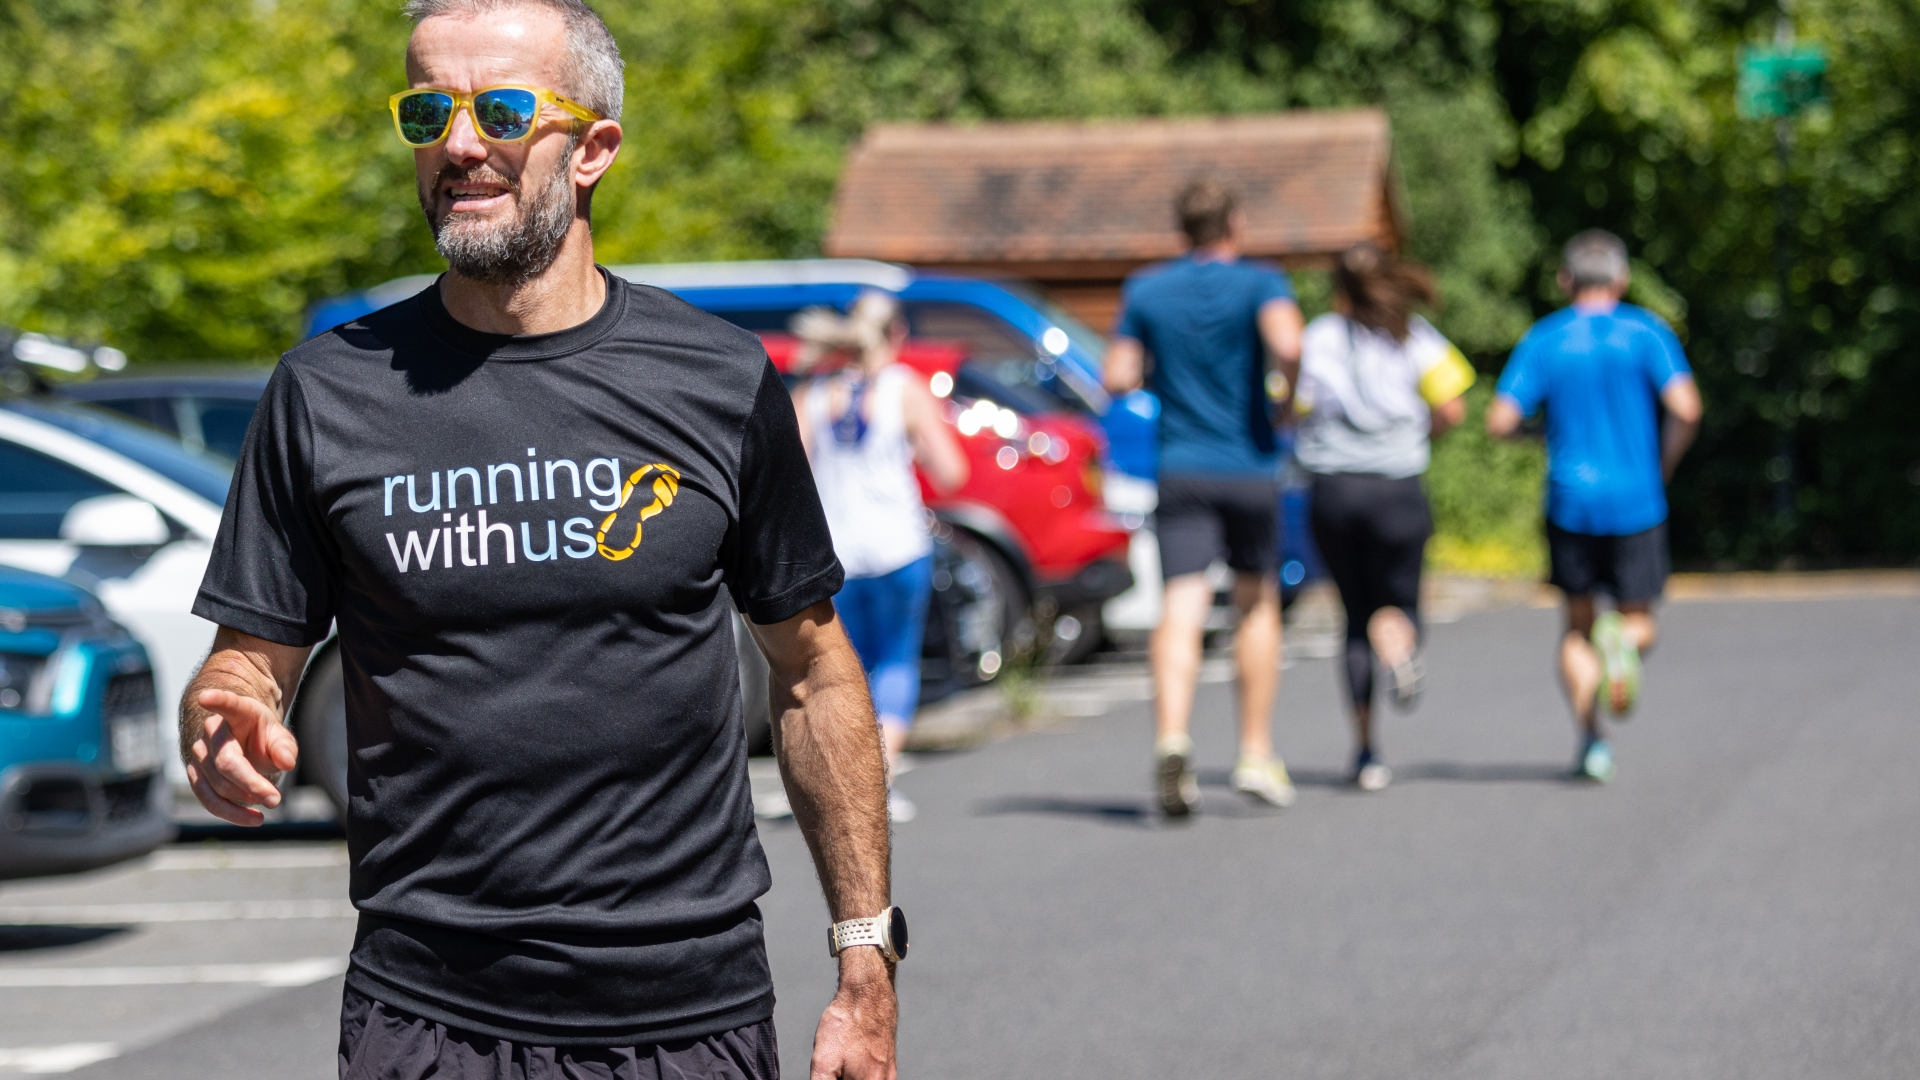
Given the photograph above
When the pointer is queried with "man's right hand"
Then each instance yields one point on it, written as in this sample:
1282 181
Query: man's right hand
232 737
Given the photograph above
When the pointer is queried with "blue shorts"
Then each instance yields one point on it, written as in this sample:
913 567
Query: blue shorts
886 616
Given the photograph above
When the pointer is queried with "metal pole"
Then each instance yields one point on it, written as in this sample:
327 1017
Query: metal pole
1785 504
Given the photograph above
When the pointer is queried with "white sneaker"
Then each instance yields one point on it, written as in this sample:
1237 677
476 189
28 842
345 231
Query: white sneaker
1264 780
1369 773
1174 782
1373 776
900 809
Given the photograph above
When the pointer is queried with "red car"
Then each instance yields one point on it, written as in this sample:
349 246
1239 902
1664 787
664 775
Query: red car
1030 514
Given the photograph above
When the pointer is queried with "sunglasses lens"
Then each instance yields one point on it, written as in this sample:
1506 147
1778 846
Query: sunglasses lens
423 118
504 115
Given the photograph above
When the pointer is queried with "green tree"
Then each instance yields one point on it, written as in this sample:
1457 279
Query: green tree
187 176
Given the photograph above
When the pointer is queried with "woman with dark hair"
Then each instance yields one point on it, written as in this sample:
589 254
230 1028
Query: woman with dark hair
1377 383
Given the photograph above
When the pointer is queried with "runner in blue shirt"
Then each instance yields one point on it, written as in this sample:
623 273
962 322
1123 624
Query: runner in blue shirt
1209 320
1603 369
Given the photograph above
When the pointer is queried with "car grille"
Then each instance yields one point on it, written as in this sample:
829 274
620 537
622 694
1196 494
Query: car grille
127 799
131 693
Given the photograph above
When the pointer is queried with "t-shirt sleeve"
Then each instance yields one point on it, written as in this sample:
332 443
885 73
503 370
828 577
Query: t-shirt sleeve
1521 379
779 559
1664 358
274 568
1275 285
1445 373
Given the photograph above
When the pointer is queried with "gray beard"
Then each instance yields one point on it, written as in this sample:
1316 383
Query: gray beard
511 252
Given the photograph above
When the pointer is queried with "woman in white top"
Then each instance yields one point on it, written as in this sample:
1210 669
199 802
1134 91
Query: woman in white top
1377 383
864 427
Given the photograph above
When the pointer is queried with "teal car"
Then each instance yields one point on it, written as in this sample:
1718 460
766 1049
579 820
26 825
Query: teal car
81 752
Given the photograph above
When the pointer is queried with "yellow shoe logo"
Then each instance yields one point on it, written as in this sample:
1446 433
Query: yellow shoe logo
666 484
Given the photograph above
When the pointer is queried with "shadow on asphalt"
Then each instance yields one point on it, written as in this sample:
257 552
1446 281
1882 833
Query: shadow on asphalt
1415 772
1114 811
1483 772
1131 812
26 938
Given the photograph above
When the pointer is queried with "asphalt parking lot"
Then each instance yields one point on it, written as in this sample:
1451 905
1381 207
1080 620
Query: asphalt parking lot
106 972
1738 905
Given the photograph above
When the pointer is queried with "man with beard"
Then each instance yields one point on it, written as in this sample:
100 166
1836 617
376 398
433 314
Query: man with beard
526 497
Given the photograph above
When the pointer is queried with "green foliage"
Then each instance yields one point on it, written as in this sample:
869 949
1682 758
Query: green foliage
187 175
1486 497
1628 122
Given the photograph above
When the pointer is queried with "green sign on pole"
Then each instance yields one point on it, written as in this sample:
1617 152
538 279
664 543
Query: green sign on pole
1777 82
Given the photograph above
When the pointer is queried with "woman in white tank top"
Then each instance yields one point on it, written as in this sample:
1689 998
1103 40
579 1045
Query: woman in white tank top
864 428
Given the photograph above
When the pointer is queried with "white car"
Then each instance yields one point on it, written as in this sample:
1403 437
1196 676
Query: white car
123 509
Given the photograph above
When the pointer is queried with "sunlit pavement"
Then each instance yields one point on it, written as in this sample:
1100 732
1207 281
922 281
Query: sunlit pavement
1739 903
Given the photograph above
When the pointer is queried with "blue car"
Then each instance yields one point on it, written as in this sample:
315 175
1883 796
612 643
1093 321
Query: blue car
81 783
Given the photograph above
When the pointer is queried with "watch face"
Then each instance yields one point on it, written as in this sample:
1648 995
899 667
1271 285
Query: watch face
897 930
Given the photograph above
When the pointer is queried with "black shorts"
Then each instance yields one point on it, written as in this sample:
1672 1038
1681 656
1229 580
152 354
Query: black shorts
379 1042
1372 534
1632 568
1203 518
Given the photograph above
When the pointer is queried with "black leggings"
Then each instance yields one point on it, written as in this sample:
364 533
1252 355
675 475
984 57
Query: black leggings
1372 533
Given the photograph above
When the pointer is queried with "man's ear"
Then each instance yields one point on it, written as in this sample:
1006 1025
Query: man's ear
597 150
1565 281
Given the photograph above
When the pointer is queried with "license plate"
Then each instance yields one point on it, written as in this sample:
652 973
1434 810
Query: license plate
136 743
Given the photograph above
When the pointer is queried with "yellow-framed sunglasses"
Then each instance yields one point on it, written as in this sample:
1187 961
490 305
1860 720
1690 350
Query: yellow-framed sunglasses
502 114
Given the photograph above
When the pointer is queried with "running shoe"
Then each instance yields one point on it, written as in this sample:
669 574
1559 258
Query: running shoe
1174 781
900 809
1264 780
1406 677
1619 664
1596 762
1369 773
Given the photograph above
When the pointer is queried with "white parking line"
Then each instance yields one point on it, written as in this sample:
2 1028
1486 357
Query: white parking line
289 973
185 911
54 1059
266 859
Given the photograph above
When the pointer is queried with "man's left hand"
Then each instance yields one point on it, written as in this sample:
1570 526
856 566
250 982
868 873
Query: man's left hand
856 1034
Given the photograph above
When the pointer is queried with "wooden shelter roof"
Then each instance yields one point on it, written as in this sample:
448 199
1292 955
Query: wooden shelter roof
1311 182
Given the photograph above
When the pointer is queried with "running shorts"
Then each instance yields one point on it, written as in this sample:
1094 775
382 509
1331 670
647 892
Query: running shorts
1203 518
1631 568
1372 534
379 1042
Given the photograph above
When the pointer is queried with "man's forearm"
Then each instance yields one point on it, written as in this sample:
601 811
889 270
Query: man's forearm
235 667
1675 438
835 773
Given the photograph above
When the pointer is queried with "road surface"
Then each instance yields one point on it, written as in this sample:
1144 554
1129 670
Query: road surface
1739 903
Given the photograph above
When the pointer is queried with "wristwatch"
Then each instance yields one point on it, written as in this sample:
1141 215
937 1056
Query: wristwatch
887 930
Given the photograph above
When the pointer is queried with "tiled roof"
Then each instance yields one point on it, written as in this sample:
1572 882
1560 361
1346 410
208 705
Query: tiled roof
1311 182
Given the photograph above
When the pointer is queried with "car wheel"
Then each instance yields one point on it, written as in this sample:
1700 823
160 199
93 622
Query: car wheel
1016 609
320 723
966 620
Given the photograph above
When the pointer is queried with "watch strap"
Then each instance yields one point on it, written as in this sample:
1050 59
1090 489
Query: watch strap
852 932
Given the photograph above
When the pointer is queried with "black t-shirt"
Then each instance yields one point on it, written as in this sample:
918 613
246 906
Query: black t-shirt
528 544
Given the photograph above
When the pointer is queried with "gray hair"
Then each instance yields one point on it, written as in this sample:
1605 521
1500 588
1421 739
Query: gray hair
594 72
1594 259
